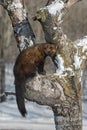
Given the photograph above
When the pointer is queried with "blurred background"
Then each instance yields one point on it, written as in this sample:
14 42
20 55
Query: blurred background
74 26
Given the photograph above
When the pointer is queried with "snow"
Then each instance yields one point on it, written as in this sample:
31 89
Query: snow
15 5
55 28
77 61
82 43
56 9
38 117
60 70
56 6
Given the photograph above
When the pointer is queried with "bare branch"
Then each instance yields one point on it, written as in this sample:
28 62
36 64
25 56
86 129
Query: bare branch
71 3
9 93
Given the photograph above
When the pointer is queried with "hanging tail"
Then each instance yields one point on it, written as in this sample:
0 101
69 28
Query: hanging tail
20 98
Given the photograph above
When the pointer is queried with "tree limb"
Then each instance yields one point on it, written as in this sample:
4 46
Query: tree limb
44 90
9 93
71 2
21 26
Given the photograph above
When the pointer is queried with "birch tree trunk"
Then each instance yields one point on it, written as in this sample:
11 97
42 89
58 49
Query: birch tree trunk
21 26
61 91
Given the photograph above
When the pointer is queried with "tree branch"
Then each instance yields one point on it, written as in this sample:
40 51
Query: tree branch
9 93
21 26
45 90
71 2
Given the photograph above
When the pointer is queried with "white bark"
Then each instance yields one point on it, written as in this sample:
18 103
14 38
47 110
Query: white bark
21 26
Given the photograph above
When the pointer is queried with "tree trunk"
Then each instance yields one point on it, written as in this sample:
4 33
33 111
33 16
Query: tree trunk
2 80
61 96
2 67
2 76
67 115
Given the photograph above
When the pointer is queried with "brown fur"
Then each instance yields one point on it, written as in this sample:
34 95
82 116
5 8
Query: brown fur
27 64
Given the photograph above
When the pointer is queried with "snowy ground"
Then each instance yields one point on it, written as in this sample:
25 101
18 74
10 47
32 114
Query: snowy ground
38 117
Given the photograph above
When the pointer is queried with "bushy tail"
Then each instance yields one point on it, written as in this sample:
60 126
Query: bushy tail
19 87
